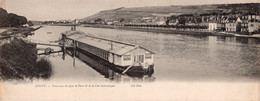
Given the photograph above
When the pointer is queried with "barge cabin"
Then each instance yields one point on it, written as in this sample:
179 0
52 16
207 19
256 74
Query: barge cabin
125 57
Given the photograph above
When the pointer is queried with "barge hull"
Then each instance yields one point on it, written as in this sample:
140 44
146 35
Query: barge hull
136 71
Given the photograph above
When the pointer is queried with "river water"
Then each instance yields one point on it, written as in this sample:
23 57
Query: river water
178 57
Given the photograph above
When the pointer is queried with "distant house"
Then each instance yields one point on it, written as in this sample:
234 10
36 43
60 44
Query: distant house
160 21
210 21
109 22
212 26
244 23
147 19
253 27
245 18
190 19
116 22
174 22
205 17
253 17
233 25
221 23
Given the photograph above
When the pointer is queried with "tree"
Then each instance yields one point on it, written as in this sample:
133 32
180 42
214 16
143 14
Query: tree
98 20
22 20
11 19
30 23
182 20
3 17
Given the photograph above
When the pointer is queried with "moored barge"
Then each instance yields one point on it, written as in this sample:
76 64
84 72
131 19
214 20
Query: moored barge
124 57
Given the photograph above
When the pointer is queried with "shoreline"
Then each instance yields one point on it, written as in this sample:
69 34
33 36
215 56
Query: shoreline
167 31
12 31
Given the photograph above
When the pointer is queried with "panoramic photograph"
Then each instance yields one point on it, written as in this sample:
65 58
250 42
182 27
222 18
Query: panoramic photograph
197 50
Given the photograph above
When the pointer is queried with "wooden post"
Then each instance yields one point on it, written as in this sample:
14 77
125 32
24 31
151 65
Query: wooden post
75 27
111 46
74 52
113 74
64 47
113 56
75 24
127 68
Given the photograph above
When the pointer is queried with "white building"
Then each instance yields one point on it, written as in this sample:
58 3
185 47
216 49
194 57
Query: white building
253 27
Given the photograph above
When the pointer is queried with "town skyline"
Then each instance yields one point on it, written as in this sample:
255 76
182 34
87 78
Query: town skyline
40 10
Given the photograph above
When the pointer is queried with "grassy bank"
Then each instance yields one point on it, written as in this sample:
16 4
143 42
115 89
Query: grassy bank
18 60
21 31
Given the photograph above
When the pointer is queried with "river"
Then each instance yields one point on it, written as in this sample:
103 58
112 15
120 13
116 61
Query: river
178 57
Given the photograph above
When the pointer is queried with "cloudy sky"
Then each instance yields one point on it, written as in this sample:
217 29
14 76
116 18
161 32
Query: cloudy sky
76 9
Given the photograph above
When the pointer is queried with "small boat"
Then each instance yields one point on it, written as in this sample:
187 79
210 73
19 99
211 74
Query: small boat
124 57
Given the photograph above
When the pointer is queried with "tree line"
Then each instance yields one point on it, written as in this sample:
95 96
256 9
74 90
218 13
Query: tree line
11 19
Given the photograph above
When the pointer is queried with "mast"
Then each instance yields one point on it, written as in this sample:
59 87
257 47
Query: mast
74 23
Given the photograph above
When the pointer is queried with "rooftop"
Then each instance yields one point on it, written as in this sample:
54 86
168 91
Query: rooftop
112 46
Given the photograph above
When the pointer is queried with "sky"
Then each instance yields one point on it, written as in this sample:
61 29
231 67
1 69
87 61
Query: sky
76 9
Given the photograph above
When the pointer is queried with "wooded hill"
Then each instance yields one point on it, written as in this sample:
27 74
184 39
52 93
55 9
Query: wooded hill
135 12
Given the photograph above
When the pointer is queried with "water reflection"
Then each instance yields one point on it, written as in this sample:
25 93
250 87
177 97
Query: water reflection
241 40
236 55
108 71
178 57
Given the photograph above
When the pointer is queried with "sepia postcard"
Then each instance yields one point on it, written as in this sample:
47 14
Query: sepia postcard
129 50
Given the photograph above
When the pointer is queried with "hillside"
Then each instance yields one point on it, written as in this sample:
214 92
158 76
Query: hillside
130 13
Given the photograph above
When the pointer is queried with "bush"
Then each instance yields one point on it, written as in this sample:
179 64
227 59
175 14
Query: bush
18 61
43 68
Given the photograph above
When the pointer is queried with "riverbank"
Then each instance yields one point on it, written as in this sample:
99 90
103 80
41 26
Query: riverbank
18 59
12 31
170 31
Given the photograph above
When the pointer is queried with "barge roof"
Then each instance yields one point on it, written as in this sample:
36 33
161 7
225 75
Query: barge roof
112 46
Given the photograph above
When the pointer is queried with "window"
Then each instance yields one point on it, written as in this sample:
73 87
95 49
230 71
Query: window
127 57
251 25
139 58
106 55
148 56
